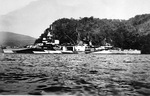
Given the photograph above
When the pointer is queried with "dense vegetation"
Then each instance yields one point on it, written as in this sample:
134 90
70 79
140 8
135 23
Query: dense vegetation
126 34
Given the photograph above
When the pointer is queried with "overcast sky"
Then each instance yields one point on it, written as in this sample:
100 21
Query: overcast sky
34 16
7 6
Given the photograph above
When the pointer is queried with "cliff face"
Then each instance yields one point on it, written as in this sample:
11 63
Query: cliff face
13 39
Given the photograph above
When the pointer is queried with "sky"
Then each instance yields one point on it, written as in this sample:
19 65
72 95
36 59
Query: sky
32 17
7 6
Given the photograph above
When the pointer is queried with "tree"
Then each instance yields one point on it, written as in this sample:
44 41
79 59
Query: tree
65 30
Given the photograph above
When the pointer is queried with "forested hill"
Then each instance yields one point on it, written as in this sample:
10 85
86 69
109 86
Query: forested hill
126 34
141 23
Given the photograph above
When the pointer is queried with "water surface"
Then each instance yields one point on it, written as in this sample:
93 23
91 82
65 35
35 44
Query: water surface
75 74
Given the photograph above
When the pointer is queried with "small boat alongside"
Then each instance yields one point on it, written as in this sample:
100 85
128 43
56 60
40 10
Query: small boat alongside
103 52
117 52
111 50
